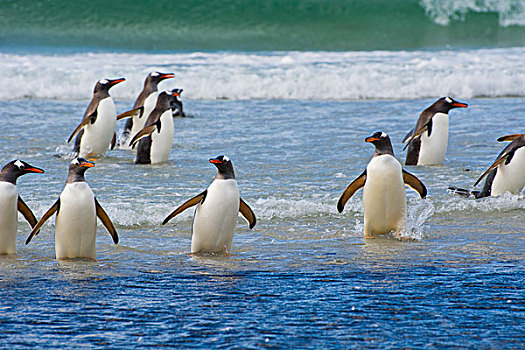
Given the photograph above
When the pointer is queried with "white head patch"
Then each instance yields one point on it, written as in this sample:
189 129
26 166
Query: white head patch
75 161
154 74
103 81
225 159
19 164
448 100
383 135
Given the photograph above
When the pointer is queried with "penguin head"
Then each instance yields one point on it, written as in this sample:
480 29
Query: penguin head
106 84
77 168
381 141
154 78
224 166
445 104
16 168
176 92
165 100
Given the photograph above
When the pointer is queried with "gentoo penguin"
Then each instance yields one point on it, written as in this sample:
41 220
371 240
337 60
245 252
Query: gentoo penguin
143 106
96 131
215 217
76 221
10 202
155 139
427 142
384 201
506 174
176 104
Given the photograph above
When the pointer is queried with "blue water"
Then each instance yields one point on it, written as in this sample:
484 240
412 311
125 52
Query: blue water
304 277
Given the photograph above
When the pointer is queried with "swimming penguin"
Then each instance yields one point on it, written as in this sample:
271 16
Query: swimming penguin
427 142
10 202
176 104
384 200
217 209
144 104
76 221
506 174
96 131
155 139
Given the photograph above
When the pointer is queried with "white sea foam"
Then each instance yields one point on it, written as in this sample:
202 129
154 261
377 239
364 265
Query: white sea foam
278 75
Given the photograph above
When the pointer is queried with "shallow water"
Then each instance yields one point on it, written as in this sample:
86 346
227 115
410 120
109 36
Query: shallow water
304 276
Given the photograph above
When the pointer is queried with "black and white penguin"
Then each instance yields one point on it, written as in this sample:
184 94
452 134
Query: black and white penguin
144 104
217 210
11 202
96 131
427 142
176 105
76 220
384 199
506 174
155 139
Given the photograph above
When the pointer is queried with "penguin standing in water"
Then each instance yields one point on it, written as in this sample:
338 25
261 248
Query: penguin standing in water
76 221
96 131
384 200
427 142
506 174
155 139
11 202
217 210
176 104
144 104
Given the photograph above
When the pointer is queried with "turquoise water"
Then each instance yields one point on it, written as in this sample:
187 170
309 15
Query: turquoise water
333 25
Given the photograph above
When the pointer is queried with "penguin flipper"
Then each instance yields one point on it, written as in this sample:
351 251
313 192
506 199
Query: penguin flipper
54 208
146 131
28 214
137 112
106 221
509 137
498 161
113 140
83 123
247 212
350 190
415 183
188 204
408 135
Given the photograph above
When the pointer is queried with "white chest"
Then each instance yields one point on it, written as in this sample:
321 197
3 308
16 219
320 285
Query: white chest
510 177
215 220
8 217
433 147
384 201
97 136
76 224
161 141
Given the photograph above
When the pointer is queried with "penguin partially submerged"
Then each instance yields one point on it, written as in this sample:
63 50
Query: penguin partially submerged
96 132
217 210
11 202
76 220
506 174
427 142
384 199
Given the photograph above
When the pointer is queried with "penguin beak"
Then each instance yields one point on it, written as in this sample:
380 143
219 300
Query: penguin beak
35 170
88 164
215 161
116 81
167 76
371 139
459 104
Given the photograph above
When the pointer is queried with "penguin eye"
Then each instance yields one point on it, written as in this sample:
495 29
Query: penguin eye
20 165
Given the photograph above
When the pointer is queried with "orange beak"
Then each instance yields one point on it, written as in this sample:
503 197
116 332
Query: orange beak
35 170
460 105
215 161
371 139
167 76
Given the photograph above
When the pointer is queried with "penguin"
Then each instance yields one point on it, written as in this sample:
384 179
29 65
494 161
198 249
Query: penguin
215 217
384 200
76 220
176 104
96 131
10 202
155 139
506 174
427 142
144 104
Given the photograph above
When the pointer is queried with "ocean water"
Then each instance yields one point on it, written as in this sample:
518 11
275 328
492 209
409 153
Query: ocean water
288 90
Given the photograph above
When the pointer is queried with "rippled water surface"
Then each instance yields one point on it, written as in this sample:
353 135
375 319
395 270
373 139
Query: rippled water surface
304 276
